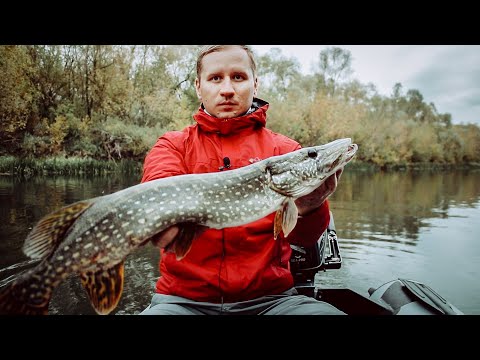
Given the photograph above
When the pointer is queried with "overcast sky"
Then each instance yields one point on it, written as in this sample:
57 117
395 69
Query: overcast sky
447 75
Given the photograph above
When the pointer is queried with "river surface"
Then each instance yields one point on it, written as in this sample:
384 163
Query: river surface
417 225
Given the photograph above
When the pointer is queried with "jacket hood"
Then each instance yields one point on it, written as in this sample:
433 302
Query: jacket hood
256 118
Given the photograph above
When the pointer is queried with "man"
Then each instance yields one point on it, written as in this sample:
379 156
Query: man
240 270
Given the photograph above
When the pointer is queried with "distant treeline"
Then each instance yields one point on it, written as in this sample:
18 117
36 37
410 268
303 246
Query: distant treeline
113 102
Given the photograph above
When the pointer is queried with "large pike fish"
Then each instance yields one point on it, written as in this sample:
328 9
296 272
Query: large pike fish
93 237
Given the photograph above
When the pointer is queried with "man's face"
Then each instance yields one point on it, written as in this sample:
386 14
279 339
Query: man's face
226 86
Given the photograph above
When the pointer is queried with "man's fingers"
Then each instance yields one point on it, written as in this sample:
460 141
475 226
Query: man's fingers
165 237
339 173
331 183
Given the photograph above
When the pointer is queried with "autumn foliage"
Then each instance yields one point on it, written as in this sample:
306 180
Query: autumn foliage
113 102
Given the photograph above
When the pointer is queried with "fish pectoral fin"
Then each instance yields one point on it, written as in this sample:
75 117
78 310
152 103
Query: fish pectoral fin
285 218
50 230
182 243
277 223
104 287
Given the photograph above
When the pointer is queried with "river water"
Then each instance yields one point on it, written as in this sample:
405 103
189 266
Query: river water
417 225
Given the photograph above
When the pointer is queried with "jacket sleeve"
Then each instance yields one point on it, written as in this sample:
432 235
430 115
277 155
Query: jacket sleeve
165 158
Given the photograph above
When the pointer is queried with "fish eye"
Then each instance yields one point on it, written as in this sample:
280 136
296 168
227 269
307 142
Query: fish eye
312 153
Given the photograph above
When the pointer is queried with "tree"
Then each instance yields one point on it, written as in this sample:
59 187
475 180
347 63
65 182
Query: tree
18 94
277 72
335 64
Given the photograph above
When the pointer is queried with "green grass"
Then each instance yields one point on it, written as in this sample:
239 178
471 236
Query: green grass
65 166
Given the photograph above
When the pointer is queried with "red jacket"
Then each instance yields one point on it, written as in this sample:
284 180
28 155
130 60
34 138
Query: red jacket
232 264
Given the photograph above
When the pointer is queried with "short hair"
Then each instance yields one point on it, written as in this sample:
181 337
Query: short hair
207 49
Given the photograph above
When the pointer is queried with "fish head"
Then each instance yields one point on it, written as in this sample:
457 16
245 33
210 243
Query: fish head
300 172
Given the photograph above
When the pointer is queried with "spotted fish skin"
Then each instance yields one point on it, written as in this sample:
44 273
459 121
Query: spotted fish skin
93 237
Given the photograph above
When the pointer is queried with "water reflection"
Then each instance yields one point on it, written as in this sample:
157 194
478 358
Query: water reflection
141 273
409 225
394 206
418 225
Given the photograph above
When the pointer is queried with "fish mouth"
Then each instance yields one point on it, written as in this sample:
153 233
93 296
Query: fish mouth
352 150
343 150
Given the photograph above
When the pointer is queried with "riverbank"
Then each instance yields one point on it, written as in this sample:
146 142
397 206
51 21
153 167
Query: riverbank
60 165
26 167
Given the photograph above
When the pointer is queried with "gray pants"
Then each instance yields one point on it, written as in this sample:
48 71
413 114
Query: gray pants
287 303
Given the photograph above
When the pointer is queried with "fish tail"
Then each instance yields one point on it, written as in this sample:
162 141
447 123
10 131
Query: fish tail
16 299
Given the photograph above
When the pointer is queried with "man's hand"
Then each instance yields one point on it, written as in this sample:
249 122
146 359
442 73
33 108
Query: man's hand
164 238
312 201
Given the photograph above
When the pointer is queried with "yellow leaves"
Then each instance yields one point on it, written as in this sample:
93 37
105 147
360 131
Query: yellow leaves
470 135
425 144
58 130
17 91
84 125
